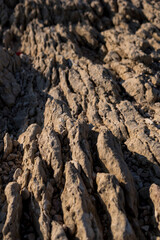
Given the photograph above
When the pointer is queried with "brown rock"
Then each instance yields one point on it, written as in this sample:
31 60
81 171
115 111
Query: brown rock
28 141
88 33
17 173
8 145
111 155
56 112
12 223
72 98
30 134
57 232
24 178
82 61
155 196
112 197
77 134
12 156
79 213
40 205
50 149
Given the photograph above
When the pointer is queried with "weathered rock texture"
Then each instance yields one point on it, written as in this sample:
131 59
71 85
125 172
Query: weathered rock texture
58 232
110 154
11 229
155 195
113 198
79 119
79 212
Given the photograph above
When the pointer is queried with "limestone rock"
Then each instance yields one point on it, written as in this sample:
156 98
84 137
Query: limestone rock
77 134
112 197
56 112
50 149
14 200
111 155
80 86
140 142
8 145
57 232
79 213
17 173
155 196
9 87
72 98
41 194
29 135
28 141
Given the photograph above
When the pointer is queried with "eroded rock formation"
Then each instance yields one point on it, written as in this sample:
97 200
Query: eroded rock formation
79 119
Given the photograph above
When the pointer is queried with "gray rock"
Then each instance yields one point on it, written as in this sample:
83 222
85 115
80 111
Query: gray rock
145 228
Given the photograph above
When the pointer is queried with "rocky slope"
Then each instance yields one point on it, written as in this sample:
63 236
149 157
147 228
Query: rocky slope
79 119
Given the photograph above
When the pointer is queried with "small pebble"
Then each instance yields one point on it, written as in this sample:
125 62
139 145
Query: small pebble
145 228
32 112
148 121
139 171
12 156
11 163
17 173
5 178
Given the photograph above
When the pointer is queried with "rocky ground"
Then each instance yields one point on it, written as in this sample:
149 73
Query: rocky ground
79 119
